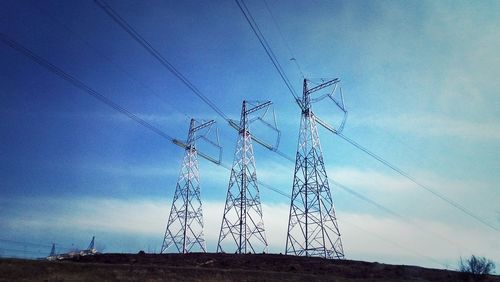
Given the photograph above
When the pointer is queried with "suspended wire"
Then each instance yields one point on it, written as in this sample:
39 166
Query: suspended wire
395 214
145 44
367 231
115 106
415 181
111 61
77 83
156 95
101 98
268 50
22 251
244 9
170 67
293 58
403 247
44 63
262 184
366 199
120 21
24 243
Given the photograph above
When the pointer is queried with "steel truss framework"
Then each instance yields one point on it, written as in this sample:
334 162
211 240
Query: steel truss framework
185 223
242 228
312 225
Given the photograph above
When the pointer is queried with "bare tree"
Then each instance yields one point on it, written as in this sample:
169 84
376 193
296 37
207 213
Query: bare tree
476 266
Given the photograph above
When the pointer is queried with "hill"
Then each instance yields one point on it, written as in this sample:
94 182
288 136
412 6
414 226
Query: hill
216 267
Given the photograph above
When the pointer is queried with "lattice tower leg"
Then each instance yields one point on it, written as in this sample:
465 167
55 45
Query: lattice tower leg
242 228
185 223
312 225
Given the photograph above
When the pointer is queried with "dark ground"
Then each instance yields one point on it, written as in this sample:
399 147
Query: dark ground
216 267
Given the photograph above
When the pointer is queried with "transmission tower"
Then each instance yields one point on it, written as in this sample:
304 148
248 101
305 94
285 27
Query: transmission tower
185 223
242 227
53 250
92 243
312 224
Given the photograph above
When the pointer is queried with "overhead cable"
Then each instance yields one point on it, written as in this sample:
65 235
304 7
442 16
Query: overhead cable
267 48
5 39
293 58
137 37
418 183
256 30
82 86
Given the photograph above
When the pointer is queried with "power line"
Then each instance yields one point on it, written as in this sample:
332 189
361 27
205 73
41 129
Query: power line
366 199
396 244
122 23
77 83
293 58
89 90
262 184
395 214
268 51
130 30
24 243
244 9
256 30
100 97
415 181
107 58
146 45
97 95
22 251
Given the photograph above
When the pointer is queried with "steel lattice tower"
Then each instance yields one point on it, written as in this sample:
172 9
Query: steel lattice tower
53 250
242 225
185 223
312 225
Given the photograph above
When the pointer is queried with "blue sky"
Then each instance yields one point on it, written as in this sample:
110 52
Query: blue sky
420 79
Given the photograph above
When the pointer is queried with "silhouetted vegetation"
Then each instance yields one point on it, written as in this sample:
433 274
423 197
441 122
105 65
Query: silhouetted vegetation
217 267
476 268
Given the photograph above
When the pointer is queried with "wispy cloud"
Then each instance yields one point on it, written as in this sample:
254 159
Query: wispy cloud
365 236
123 169
172 118
432 125
370 180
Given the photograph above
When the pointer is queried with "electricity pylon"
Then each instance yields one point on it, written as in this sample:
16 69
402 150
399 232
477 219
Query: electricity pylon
53 250
92 243
312 224
242 227
185 223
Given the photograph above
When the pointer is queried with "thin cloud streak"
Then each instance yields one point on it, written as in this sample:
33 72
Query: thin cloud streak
146 218
432 125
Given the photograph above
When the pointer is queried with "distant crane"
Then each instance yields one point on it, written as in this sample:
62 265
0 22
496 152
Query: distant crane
312 224
185 223
242 227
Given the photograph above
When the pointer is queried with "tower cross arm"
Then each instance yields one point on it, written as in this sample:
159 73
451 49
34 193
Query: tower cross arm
258 107
323 85
201 154
203 125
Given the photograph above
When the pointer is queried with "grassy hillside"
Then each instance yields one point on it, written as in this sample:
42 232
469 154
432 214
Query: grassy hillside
216 267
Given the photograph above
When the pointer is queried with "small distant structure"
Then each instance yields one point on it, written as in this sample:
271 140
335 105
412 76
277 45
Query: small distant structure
53 251
90 251
52 255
